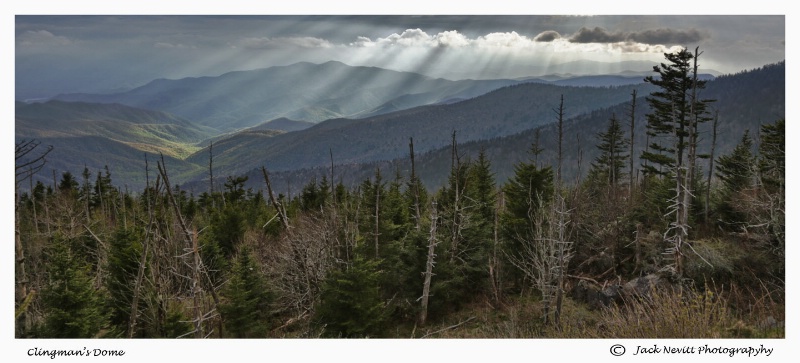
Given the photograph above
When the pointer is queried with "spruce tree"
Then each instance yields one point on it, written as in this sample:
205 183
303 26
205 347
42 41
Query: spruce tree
125 250
672 125
611 161
772 156
246 308
526 195
736 172
350 304
73 308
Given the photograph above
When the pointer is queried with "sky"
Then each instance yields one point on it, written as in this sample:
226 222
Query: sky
100 53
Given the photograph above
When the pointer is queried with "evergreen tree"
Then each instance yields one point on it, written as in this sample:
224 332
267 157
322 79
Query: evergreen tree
350 303
526 194
736 172
772 156
73 308
246 309
611 161
125 250
672 125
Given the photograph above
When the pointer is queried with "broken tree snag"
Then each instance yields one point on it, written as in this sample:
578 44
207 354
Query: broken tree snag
414 184
281 210
426 286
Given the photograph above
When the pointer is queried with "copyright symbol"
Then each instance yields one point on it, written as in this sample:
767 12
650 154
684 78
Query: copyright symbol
617 350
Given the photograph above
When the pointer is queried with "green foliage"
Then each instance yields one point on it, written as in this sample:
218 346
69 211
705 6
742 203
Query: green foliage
772 155
313 196
609 165
525 194
350 304
736 171
73 308
125 249
246 310
673 113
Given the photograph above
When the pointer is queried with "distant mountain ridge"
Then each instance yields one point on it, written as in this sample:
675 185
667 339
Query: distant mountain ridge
95 135
301 91
502 112
745 101
119 136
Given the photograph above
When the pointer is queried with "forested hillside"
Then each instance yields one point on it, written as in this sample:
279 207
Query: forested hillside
567 243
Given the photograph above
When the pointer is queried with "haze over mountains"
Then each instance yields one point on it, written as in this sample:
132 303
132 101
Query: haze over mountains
302 91
267 117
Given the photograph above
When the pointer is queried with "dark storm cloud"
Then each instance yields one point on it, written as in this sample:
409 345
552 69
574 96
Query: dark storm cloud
596 35
547 36
651 36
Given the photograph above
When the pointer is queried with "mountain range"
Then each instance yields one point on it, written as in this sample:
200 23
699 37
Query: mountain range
302 91
246 116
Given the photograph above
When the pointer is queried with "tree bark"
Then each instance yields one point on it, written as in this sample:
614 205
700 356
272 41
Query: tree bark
426 286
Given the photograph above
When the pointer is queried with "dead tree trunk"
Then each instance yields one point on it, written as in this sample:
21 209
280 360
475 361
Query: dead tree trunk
414 185
454 170
631 175
137 286
560 113
278 206
711 163
426 286
197 265
377 211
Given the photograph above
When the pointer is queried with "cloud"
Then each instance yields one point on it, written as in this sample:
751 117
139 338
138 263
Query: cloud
547 36
41 37
452 38
284 42
596 35
664 36
627 47
408 38
504 40
448 39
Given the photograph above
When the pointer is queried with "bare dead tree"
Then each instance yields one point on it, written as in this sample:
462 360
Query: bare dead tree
211 170
494 261
192 257
545 255
377 210
414 184
711 163
27 162
560 113
458 216
301 262
278 205
632 123
429 264
139 282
